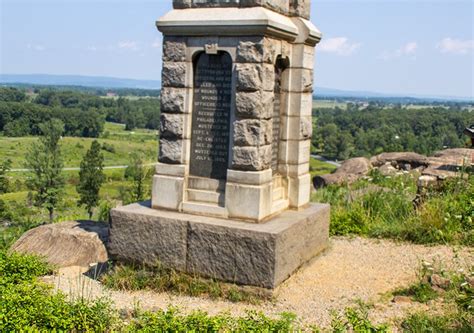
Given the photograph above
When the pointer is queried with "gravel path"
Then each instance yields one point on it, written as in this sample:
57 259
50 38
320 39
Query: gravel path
350 270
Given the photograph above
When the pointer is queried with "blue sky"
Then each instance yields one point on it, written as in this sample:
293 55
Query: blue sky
399 46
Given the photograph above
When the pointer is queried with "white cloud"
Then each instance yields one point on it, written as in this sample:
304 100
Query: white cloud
409 49
456 46
338 45
92 48
128 45
36 47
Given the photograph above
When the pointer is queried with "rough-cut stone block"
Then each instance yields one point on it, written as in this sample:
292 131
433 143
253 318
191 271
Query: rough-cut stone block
257 104
174 49
262 254
171 151
173 100
250 51
249 77
280 6
137 236
173 74
300 8
252 132
252 158
296 128
268 77
167 192
171 126
271 49
181 4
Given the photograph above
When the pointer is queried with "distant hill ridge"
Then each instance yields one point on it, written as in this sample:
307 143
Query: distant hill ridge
112 82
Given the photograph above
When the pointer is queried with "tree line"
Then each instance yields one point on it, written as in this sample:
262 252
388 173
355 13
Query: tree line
83 114
341 134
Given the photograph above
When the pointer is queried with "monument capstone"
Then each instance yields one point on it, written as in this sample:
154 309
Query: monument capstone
231 190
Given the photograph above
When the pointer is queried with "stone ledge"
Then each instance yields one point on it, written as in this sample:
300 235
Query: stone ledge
262 255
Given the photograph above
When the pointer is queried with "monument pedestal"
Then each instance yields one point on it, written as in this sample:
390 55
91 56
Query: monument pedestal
262 255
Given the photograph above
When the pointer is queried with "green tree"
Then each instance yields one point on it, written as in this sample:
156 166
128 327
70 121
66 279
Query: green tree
4 181
138 173
46 164
91 177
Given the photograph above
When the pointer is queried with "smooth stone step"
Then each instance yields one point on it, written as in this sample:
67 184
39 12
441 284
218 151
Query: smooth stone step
207 209
279 205
205 196
206 184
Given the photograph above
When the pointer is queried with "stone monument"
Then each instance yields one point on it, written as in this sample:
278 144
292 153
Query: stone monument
231 191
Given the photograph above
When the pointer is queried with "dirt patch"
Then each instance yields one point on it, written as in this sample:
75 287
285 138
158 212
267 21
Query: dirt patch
350 270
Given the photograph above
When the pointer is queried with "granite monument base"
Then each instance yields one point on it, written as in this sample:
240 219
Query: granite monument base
262 255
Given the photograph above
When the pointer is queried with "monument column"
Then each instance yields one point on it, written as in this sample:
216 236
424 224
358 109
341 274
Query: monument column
231 190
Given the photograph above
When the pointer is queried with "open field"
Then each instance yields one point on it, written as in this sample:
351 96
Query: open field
321 103
120 144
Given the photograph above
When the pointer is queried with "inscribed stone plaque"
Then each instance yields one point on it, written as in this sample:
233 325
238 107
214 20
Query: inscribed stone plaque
276 117
211 116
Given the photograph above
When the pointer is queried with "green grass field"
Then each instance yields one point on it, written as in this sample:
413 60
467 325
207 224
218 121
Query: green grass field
321 103
73 149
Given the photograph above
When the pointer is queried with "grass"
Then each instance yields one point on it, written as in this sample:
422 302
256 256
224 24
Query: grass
382 207
122 142
317 167
457 299
161 279
322 103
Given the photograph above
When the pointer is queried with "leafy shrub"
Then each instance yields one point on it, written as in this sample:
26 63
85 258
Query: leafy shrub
172 321
108 147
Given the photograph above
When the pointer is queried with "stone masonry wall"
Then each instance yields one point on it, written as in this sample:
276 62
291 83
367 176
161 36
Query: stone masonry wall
175 112
255 78
286 7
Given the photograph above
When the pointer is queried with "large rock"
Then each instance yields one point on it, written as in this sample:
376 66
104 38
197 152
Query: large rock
355 166
76 243
350 171
400 160
449 162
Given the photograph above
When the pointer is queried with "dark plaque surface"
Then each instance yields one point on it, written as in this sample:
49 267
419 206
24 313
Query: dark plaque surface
211 116
276 118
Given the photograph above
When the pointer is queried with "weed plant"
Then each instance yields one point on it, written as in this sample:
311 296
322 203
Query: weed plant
161 279
382 207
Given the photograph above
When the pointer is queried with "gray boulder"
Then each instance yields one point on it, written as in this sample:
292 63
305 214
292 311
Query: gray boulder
350 171
75 243
400 160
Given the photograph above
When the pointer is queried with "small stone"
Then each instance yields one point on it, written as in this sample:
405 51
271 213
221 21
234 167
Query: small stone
268 77
174 74
171 126
401 299
439 281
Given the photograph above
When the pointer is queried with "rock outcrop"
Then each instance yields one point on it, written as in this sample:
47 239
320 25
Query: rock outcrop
400 160
75 243
350 171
